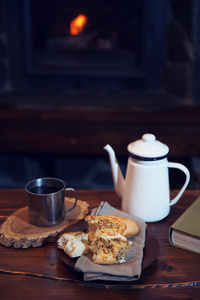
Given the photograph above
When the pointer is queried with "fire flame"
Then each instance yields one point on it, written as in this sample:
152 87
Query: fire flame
78 24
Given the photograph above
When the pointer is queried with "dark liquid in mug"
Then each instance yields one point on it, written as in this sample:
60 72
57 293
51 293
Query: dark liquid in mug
44 189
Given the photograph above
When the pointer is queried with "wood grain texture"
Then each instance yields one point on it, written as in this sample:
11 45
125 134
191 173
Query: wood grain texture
17 231
40 273
87 131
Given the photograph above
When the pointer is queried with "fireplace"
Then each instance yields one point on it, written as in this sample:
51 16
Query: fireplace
119 45
122 46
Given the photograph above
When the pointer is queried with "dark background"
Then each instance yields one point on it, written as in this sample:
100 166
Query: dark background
57 112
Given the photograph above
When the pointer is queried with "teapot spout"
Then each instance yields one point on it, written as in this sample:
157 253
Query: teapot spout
118 178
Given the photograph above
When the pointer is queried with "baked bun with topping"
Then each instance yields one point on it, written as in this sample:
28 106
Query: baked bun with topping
114 224
106 239
110 249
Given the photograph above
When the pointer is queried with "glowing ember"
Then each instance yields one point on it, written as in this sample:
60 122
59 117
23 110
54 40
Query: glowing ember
78 24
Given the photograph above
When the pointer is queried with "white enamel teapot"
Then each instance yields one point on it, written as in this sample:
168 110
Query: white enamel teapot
145 192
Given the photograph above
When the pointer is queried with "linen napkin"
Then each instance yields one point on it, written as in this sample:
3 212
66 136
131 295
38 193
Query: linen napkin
128 271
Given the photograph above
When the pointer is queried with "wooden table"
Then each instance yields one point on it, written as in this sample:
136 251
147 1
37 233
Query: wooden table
38 273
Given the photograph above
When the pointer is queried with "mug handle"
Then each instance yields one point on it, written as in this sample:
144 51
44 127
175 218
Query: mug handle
75 192
187 173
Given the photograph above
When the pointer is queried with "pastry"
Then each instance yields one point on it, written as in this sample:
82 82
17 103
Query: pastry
114 224
110 249
106 239
74 244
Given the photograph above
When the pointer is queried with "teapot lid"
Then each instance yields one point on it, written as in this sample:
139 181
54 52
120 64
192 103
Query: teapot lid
148 148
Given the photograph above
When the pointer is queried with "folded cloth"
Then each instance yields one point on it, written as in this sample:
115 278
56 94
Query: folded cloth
128 271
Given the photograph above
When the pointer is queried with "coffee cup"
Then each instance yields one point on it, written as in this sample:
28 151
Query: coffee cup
46 203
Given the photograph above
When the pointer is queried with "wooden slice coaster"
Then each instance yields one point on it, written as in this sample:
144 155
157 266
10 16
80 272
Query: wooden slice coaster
17 231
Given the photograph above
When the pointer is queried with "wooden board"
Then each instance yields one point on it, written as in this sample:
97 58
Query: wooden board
17 231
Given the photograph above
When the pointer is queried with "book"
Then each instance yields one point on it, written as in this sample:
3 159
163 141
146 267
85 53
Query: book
185 231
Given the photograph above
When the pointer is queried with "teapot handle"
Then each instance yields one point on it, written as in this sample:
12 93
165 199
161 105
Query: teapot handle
187 173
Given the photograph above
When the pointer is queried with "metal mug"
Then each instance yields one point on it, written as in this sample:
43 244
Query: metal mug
46 203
